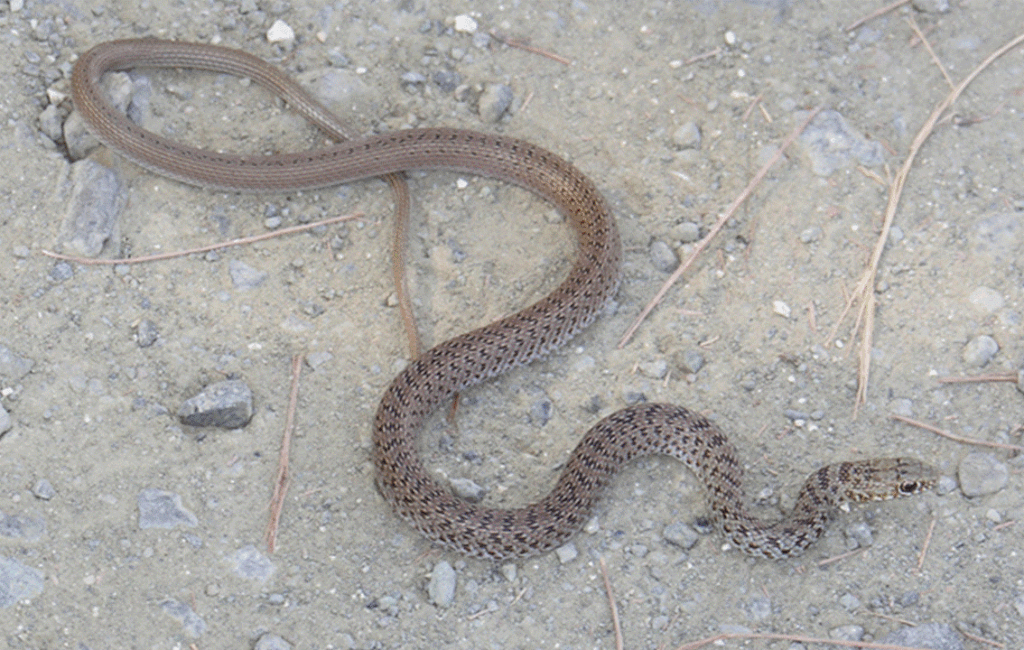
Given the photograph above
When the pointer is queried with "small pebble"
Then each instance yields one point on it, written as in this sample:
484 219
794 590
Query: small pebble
249 562
566 552
541 411
655 369
18 582
161 509
847 633
981 473
145 333
43 489
979 351
849 602
810 235
687 136
465 24
663 257
467 489
987 300
191 623
781 308
689 361
681 535
494 102
687 232
759 608
441 587
281 32
270 641
244 276
226 404
936 636
858 535
509 570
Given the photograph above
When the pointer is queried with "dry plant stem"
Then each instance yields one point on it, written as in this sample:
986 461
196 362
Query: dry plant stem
693 645
400 189
282 480
611 604
92 261
979 379
864 290
931 52
519 45
702 244
951 436
927 542
884 10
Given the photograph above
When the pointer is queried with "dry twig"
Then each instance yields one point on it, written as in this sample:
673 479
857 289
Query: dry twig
952 436
282 480
612 605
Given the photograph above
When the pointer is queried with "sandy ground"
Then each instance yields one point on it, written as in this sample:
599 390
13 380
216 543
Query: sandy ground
94 416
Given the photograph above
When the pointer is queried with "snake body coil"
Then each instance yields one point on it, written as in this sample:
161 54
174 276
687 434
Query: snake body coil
483 353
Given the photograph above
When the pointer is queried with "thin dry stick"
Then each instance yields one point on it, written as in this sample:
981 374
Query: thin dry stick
931 52
978 379
729 212
612 605
91 261
519 45
884 10
926 544
281 483
952 436
979 639
864 290
693 645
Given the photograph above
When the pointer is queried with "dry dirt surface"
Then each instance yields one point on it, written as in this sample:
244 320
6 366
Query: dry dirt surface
121 527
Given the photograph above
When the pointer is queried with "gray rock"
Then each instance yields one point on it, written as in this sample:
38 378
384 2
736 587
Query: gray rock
447 80
681 535
689 361
244 276
191 623
50 123
161 509
117 86
541 411
687 136
687 231
146 333
663 257
226 404
655 369
270 641
43 490
441 587
18 582
494 101
981 473
831 144
22 527
96 198
979 351
847 633
248 562
12 366
936 636
467 489
986 299
566 552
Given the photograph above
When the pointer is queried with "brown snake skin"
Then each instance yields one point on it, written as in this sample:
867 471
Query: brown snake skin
466 360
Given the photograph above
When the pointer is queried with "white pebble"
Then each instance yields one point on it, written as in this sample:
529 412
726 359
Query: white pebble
781 308
465 24
280 32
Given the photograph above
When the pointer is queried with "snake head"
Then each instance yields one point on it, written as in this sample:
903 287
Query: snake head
879 479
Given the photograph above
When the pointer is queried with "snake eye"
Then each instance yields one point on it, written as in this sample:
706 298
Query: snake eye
910 487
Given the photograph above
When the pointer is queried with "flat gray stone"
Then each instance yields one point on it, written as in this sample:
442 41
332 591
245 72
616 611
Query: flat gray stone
249 563
226 404
97 197
18 582
936 636
13 366
832 144
981 473
22 527
160 509
191 623
244 276
441 588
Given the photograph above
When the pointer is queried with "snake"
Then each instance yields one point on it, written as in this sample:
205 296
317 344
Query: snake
434 377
